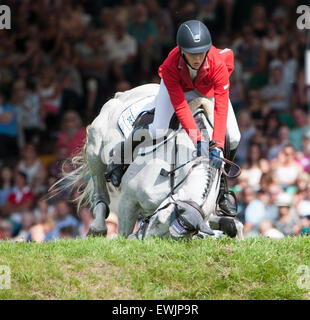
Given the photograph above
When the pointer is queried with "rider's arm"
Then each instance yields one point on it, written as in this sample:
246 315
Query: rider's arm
221 97
180 105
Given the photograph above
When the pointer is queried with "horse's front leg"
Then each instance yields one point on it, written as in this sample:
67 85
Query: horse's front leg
128 214
100 198
230 226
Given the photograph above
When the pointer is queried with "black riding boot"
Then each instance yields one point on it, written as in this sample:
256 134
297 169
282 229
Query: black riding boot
226 205
117 168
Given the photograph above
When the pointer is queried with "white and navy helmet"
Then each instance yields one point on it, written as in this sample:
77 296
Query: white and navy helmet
194 37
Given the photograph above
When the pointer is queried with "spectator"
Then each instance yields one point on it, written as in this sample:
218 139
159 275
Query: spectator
70 78
251 53
277 92
303 203
145 33
247 130
8 130
86 220
267 230
304 158
6 184
300 91
56 167
50 37
27 223
271 125
272 213
302 184
33 168
287 222
122 51
6 230
289 63
91 64
258 20
42 230
164 24
302 126
271 41
43 210
255 212
244 198
64 218
253 166
49 90
257 107
67 232
286 168
20 199
236 93
27 107
72 135
281 142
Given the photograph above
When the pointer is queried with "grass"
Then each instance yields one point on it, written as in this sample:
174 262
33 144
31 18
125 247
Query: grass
97 268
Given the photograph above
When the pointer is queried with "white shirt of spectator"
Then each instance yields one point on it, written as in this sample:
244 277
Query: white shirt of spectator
120 50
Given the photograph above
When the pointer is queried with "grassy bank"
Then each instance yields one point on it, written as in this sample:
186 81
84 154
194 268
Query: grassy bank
97 268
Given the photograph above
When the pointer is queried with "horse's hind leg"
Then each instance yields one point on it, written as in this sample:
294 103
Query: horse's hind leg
100 198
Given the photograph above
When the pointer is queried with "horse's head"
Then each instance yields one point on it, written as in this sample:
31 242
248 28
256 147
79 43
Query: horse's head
189 219
194 191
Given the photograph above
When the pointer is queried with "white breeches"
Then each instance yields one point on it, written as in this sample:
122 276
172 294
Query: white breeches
164 112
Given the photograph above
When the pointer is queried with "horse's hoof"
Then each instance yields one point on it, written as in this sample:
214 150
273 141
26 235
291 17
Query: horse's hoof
92 232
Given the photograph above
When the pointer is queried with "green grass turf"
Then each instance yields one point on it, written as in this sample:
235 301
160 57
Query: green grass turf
97 268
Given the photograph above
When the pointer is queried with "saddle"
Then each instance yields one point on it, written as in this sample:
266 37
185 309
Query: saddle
141 113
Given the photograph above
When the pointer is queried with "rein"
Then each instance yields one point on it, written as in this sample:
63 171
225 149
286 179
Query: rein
195 162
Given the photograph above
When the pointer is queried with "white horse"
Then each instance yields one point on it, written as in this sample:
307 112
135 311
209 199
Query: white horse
144 191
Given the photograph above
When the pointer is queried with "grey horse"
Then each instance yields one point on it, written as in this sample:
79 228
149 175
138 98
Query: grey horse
144 192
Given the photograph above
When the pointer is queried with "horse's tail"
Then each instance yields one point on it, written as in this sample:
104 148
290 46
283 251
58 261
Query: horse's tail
80 176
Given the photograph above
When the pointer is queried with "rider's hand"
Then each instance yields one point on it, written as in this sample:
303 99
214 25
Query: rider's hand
202 148
215 157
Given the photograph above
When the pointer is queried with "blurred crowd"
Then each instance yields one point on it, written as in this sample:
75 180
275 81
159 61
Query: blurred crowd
62 60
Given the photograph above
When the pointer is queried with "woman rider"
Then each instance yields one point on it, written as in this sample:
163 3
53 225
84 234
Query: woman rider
194 68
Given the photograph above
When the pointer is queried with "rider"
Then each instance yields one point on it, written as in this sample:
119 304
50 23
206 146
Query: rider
194 68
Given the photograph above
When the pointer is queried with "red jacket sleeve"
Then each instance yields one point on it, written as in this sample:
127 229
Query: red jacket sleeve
221 97
180 105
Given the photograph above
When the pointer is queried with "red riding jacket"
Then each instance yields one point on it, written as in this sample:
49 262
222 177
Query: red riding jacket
212 80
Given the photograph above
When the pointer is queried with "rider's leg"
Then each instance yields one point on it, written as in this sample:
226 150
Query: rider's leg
122 156
226 205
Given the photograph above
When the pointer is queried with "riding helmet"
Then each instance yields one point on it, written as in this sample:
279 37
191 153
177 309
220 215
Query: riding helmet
194 37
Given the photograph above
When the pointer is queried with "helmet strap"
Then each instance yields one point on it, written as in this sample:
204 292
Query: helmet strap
186 61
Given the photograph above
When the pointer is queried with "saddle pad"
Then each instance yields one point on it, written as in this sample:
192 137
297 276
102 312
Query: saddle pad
130 114
149 149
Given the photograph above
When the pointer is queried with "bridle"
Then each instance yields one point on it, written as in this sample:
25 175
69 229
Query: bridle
194 163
